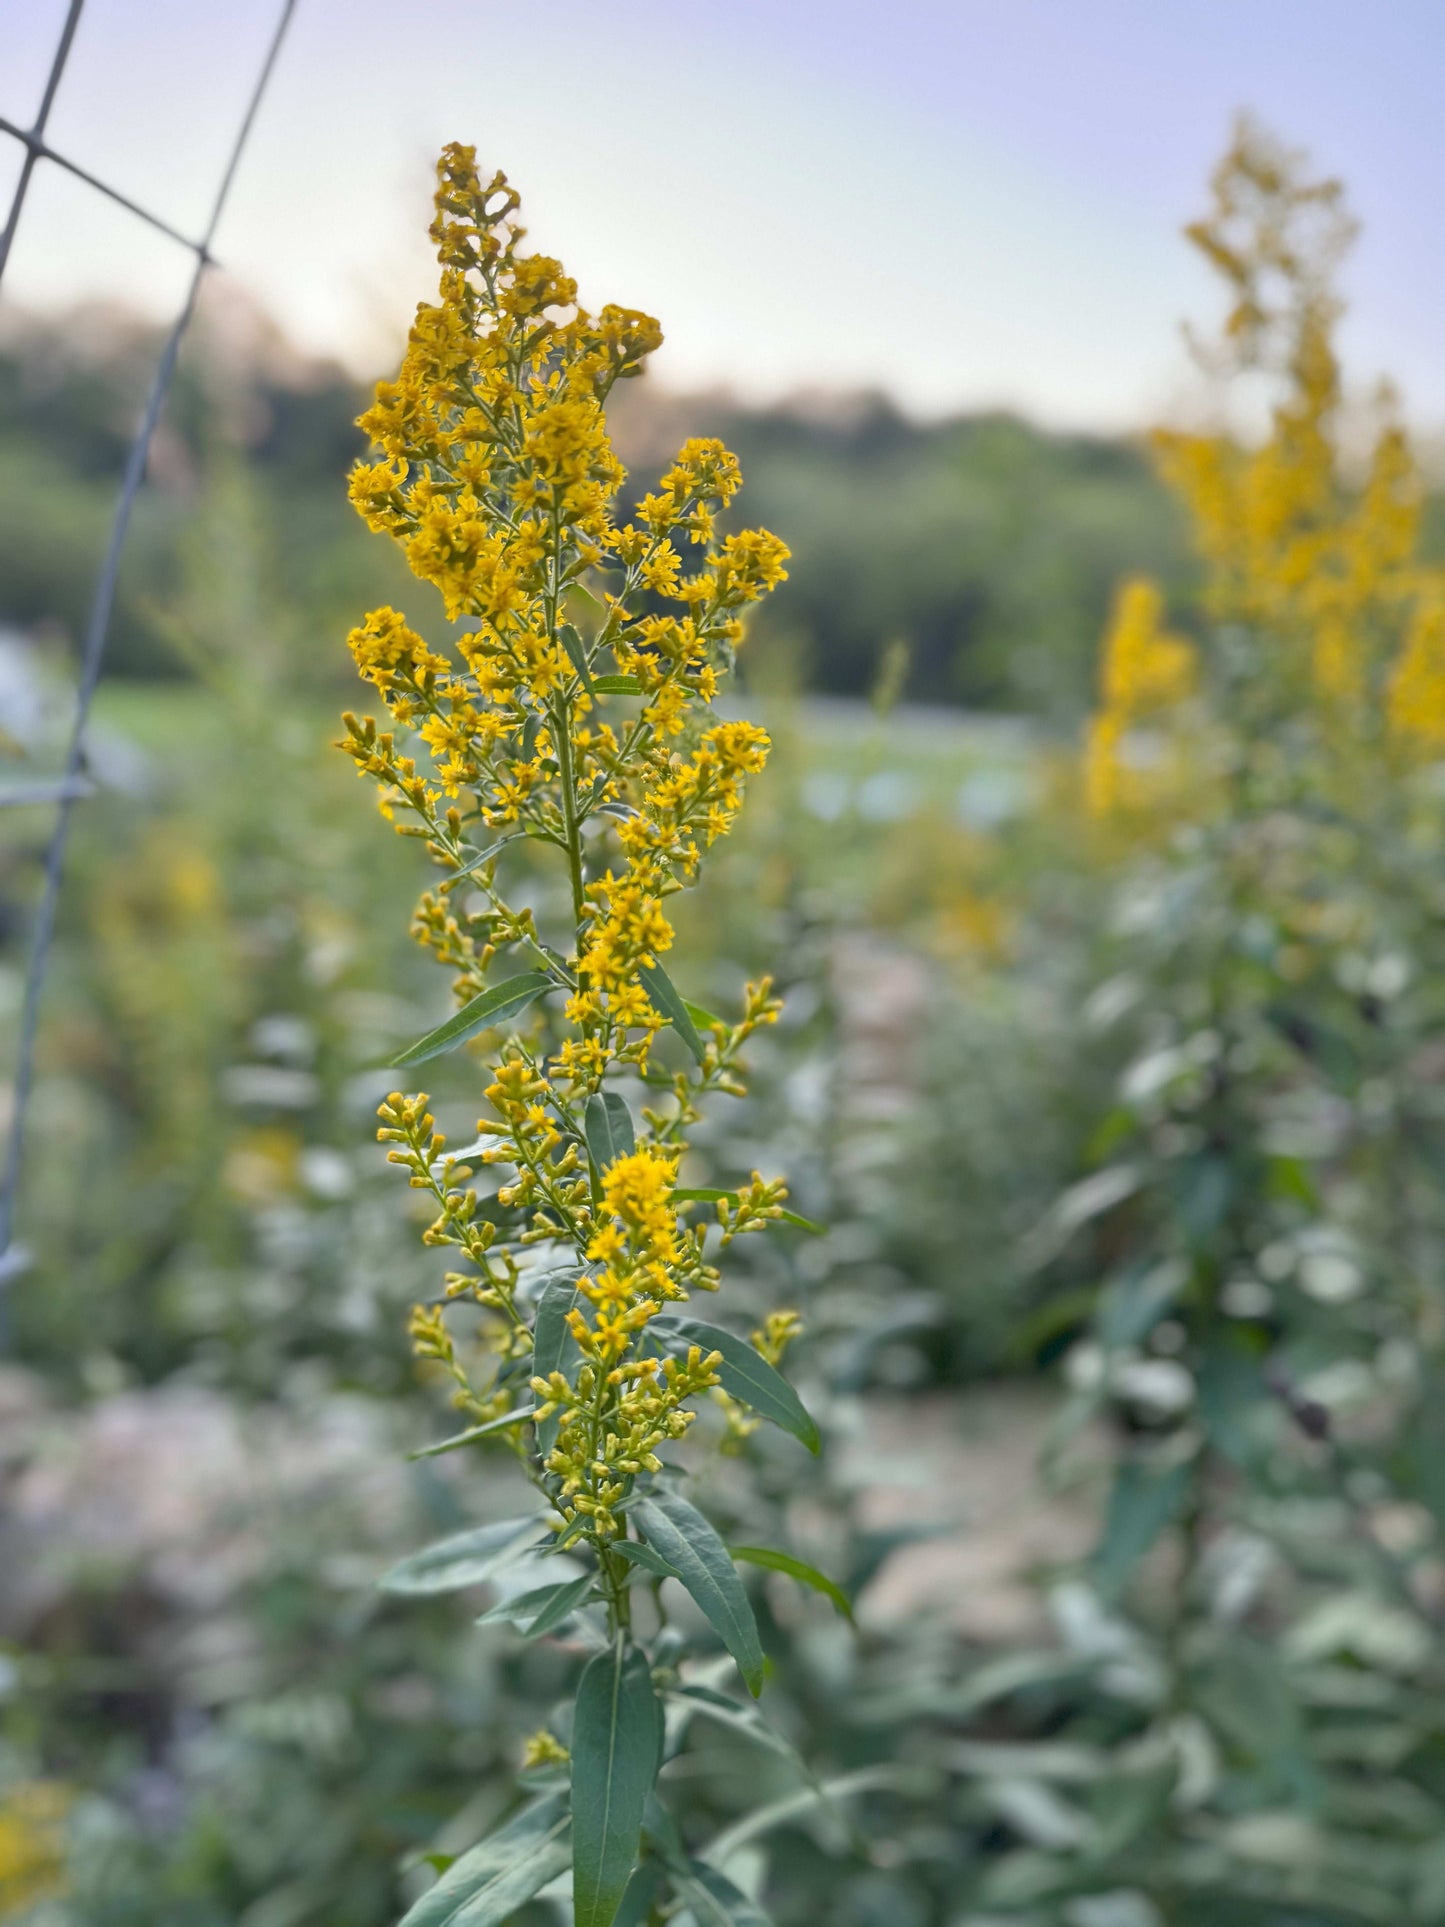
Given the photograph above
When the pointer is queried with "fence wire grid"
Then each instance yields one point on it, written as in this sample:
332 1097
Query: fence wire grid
72 785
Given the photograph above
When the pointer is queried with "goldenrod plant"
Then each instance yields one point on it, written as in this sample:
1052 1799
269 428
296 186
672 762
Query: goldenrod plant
574 709
1260 1626
1326 628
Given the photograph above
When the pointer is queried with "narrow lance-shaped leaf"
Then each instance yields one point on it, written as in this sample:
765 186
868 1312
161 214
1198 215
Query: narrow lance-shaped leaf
576 649
464 1559
747 1376
552 1345
459 1439
1143 1501
663 994
486 1886
761 1820
679 1534
798 1569
638 1553
616 1752
640 1897
541 1610
616 686
712 1898
491 1008
475 863
608 1124
704 1018
659 1830
748 1720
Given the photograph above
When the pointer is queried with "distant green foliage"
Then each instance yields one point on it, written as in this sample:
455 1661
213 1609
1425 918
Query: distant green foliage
988 545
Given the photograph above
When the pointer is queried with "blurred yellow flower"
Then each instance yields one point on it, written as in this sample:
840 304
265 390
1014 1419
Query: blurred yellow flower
32 1843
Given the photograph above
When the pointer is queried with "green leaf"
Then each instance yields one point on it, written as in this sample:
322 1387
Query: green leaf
645 1556
493 1007
1203 1188
616 1752
703 1018
1141 1504
1131 1305
1247 1695
577 655
642 1890
486 1886
919 1782
608 1124
1131 1806
747 1720
539 1611
466 1558
1329 1049
617 686
696 1555
713 1899
806 1575
459 1439
748 1377
1233 1395
803 1224
663 994
1090 1198
482 856
552 1342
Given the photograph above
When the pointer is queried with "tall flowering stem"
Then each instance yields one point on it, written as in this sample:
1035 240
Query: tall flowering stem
572 709
1327 625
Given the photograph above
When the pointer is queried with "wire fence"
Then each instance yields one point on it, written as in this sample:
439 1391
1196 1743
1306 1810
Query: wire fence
72 785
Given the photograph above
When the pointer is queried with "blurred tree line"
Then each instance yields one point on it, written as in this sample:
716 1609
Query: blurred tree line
986 544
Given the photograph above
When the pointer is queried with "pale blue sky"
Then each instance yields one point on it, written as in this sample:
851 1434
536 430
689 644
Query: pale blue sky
965 204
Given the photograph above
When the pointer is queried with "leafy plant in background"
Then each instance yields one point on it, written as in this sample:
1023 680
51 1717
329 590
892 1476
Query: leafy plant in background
214 1006
1259 1738
497 478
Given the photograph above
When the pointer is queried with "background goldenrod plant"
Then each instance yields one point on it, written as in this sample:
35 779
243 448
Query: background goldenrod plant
1256 1223
578 714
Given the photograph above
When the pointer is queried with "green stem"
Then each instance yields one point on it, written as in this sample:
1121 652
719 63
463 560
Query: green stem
569 811
619 1600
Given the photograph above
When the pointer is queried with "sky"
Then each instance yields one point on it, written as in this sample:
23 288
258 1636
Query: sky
965 205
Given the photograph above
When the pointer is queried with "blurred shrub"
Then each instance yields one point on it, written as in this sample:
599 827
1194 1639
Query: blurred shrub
212 1022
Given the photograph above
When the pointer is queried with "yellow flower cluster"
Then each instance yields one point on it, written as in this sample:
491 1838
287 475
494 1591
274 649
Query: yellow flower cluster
1146 671
497 478
543 1748
1318 567
32 1844
643 1256
568 705
1416 692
